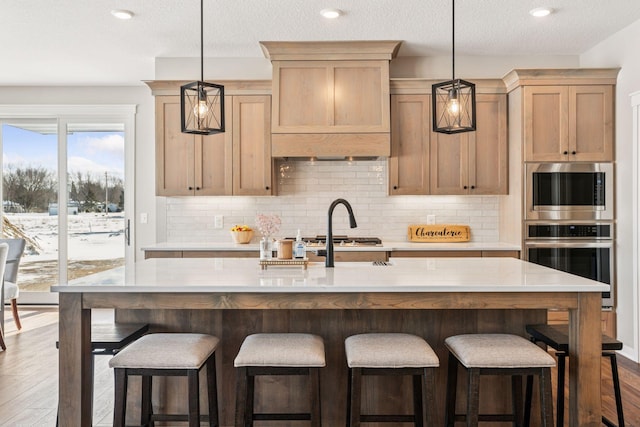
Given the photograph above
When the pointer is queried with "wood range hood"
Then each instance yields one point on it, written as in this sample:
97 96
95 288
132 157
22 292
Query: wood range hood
330 99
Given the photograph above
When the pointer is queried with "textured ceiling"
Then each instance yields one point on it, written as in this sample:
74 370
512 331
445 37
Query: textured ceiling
79 42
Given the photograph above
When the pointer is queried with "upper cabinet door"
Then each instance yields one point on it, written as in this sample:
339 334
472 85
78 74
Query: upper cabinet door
252 163
591 123
330 96
213 163
473 162
568 123
449 163
488 153
188 164
546 130
410 128
175 174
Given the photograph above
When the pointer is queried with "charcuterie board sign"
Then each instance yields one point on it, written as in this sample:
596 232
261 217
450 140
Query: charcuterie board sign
439 233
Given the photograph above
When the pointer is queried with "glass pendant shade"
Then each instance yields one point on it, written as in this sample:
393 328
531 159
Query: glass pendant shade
454 106
202 108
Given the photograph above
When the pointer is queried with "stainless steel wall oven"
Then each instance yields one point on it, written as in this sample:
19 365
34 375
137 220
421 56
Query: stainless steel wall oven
584 249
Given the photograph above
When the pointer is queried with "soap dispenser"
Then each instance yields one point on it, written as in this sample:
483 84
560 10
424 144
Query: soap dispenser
299 248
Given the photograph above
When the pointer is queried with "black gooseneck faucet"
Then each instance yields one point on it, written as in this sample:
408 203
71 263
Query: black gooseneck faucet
352 224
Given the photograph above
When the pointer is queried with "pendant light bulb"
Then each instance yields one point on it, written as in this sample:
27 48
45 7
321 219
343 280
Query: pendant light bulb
201 109
453 105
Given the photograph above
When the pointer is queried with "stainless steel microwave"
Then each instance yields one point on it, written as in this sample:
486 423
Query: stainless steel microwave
569 191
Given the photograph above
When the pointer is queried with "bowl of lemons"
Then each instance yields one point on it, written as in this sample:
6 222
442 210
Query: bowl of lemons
241 234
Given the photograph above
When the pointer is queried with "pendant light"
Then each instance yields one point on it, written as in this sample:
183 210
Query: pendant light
202 103
454 101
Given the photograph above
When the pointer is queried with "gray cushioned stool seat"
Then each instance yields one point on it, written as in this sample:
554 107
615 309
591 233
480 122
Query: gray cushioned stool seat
284 350
389 350
497 351
166 351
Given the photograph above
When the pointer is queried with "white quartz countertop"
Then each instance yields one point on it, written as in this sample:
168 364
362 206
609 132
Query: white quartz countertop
237 275
386 246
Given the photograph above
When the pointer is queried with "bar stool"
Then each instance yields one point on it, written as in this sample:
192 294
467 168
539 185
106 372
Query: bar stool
391 354
278 354
497 354
557 337
167 355
108 339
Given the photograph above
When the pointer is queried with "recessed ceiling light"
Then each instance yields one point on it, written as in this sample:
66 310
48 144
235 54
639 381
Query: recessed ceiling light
122 14
331 13
540 12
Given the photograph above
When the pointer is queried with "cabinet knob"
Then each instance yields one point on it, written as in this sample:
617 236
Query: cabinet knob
190 188
465 187
573 152
197 188
565 152
473 187
395 187
266 188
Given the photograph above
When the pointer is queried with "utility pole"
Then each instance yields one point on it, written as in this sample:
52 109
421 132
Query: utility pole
106 193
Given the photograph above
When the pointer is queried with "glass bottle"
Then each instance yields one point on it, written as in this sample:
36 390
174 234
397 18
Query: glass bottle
266 248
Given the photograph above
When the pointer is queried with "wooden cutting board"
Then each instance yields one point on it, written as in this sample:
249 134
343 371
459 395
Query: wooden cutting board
439 233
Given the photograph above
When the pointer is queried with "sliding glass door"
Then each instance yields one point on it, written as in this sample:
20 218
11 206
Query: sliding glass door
29 189
89 159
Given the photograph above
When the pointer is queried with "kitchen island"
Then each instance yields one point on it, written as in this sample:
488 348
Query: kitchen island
232 298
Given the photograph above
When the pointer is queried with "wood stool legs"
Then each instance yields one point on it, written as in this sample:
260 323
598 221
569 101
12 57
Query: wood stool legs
560 392
616 389
212 395
519 416
423 380
120 403
452 384
245 391
147 417
146 409
194 401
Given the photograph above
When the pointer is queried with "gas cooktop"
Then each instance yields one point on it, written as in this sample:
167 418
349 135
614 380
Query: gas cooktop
341 240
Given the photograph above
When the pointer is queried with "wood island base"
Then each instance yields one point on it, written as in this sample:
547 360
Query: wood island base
282 394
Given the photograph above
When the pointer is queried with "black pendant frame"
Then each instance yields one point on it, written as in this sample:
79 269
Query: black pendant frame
446 120
453 103
202 103
212 95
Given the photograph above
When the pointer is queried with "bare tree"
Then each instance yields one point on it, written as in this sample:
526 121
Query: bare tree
33 187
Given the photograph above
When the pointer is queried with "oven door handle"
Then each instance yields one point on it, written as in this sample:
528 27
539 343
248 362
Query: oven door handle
567 244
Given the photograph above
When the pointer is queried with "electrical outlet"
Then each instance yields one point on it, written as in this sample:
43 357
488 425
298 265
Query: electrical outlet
431 219
217 222
144 218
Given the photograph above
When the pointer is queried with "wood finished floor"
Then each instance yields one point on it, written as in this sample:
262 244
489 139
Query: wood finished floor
28 376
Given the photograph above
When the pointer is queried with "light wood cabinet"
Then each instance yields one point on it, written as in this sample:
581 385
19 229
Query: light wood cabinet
473 162
235 162
454 254
410 134
252 163
568 123
187 164
330 96
330 108
351 256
